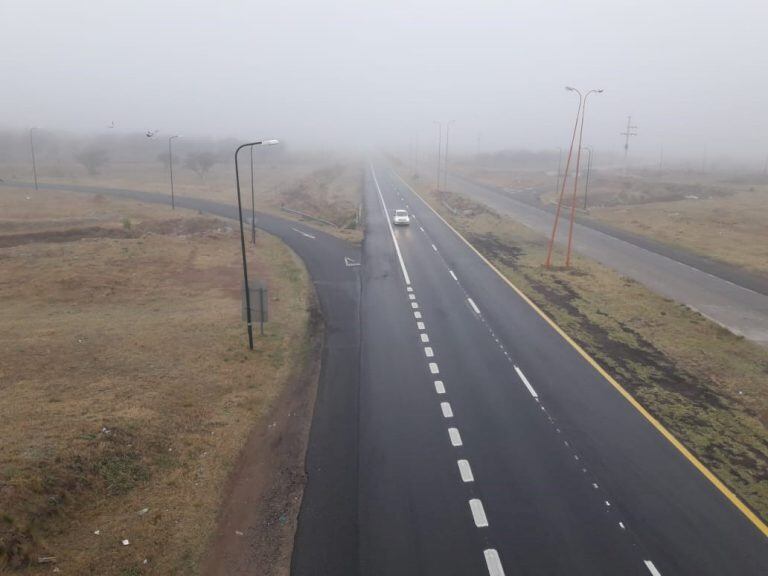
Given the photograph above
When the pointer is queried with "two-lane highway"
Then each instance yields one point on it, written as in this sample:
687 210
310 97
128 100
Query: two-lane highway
489 445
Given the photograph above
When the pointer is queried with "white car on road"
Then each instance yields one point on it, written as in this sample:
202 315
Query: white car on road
401 218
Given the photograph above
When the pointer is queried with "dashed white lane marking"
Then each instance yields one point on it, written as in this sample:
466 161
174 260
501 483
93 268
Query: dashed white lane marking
525 381
417 315
391 230
420 228
412 296
409 289
466 471
478 513
428 351
453 275
474 306
424 337
439 387
414 305
433 368
455 436
493 562
651 568
303 233
446 409
434 247
420 325
621 525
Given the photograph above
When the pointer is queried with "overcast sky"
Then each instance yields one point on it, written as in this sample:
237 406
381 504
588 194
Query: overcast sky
692 73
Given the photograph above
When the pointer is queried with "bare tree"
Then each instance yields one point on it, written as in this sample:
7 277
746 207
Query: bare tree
93 159
200 162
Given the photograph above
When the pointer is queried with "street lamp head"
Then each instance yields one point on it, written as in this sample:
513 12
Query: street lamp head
600 91
570 88
270 142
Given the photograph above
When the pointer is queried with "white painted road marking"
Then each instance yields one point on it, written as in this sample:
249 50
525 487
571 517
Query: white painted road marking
453 275
474 306
439 387
424 336
478 513
348 262
414 305
433 368
412 296
466 471
455 436
409 289
417 315
493 562
434 247
420 325
303 233
651 568
527 384
391 230
428 351
447 410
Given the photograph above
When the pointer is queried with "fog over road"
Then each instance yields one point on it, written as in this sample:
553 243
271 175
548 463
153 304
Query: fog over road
718 291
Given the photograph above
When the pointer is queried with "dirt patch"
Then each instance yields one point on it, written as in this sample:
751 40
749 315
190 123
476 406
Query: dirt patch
261 504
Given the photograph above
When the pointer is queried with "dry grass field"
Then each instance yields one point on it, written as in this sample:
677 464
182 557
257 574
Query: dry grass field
709 387
127 387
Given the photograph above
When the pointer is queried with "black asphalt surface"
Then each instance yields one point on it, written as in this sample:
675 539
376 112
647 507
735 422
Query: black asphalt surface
572 480
575 481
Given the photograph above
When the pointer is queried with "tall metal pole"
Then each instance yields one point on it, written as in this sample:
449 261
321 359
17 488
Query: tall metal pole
765 167
576 180
253 205
242 238
439 150
445 161
589 169
34 162
170 165
548 261
559 165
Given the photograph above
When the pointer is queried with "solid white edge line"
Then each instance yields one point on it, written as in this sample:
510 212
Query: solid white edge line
465 470
439 387
391 230
474 306
493 562
445 407
651 568
434 368
453 433
478 513
525 381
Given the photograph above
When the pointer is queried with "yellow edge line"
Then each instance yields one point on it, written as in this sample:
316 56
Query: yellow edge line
708 474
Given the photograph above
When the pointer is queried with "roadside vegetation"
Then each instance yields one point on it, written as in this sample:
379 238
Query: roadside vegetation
706 385
128 390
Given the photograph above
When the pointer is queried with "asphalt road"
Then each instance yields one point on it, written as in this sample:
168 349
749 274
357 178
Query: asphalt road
488 444
722 293
457 433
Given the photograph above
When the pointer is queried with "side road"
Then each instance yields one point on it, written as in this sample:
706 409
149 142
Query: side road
736 300
326 537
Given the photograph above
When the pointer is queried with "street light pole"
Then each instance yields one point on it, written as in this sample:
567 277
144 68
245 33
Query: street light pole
34 162
548 261
253 204
170 165
589 169
559 165
576 178
242 235
439 150
445 161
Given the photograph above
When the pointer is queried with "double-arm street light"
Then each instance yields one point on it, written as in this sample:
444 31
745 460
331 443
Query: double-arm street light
580 128
170 165
589 170
242 234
